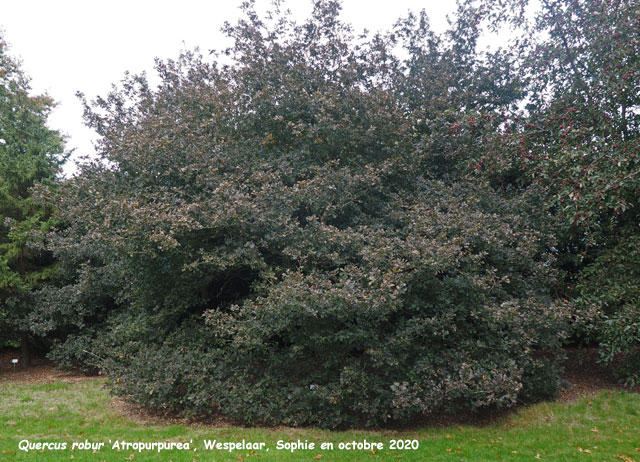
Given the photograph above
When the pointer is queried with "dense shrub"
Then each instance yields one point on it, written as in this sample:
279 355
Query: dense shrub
293 237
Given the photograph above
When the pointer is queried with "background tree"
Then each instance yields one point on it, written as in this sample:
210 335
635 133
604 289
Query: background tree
577 145
30 153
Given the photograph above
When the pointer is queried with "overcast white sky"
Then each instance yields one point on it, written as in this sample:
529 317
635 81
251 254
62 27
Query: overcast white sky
80 45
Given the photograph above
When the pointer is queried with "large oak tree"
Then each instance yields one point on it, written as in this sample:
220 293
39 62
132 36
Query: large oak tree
290 234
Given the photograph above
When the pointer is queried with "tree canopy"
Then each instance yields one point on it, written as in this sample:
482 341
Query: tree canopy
314 227
297 236
578 144
30 154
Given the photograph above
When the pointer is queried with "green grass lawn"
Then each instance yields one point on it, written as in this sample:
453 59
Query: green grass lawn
605 427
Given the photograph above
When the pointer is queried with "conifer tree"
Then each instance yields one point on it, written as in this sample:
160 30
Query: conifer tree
30 153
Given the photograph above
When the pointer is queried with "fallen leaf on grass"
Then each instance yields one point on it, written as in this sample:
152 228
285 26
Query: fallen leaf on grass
625 458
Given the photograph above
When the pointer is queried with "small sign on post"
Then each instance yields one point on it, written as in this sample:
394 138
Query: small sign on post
14 361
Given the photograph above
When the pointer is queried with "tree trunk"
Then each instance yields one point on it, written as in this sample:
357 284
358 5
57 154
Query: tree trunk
24 347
